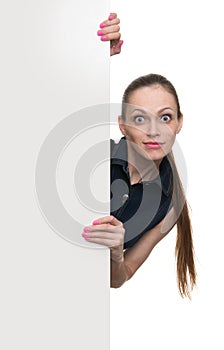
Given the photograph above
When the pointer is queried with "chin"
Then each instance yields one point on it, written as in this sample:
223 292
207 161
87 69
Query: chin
156 155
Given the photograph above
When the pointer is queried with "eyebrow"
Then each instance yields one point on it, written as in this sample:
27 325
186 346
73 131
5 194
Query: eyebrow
159 111
164 108
139 110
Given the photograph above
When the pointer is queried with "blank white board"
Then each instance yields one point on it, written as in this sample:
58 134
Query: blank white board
54 292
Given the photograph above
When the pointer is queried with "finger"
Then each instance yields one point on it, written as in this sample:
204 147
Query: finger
114 236
107 227
112 16
111 36
103 229
109 241
110 29
106 242
108 23
110 219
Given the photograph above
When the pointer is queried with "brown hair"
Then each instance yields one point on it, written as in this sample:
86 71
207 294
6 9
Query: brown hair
184 251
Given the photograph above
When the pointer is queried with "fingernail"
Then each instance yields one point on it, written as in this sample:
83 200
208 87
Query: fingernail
103 38
111 17
84 235
100 32
102 25
121 43
86 229
95 222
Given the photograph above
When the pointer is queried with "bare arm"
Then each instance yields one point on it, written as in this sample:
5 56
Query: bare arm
110 232
123 269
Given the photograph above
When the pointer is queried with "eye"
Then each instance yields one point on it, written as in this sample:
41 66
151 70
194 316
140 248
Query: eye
139 119
166 117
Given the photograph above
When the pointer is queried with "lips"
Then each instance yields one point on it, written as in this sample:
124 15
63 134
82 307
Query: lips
153 145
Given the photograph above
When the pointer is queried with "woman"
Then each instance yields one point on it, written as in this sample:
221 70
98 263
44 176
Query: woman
147 196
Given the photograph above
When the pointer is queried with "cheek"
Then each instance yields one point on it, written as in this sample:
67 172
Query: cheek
170 139
169 132
134 133
169 136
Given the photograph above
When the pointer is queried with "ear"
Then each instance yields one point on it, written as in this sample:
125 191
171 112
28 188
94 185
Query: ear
122 125
180 123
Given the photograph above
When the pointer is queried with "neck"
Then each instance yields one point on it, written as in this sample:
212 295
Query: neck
141 168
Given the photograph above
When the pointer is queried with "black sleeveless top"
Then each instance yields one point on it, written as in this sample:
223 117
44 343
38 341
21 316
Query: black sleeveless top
140 206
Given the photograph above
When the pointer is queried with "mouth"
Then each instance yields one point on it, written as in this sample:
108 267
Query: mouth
153 145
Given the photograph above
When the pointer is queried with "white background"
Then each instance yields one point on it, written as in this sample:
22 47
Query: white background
181 40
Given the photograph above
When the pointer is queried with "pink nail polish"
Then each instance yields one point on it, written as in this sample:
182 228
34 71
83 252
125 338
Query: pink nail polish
121 43
95 222
102 25
100 32
84 235
86 229
103 38
111 17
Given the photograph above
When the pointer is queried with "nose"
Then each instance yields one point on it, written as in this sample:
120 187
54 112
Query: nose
153 129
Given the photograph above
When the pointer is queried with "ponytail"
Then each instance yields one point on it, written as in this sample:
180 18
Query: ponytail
184 250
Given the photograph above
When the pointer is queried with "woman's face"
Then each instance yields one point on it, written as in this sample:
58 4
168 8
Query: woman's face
151 121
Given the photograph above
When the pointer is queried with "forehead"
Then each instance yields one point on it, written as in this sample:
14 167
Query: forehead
153 98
